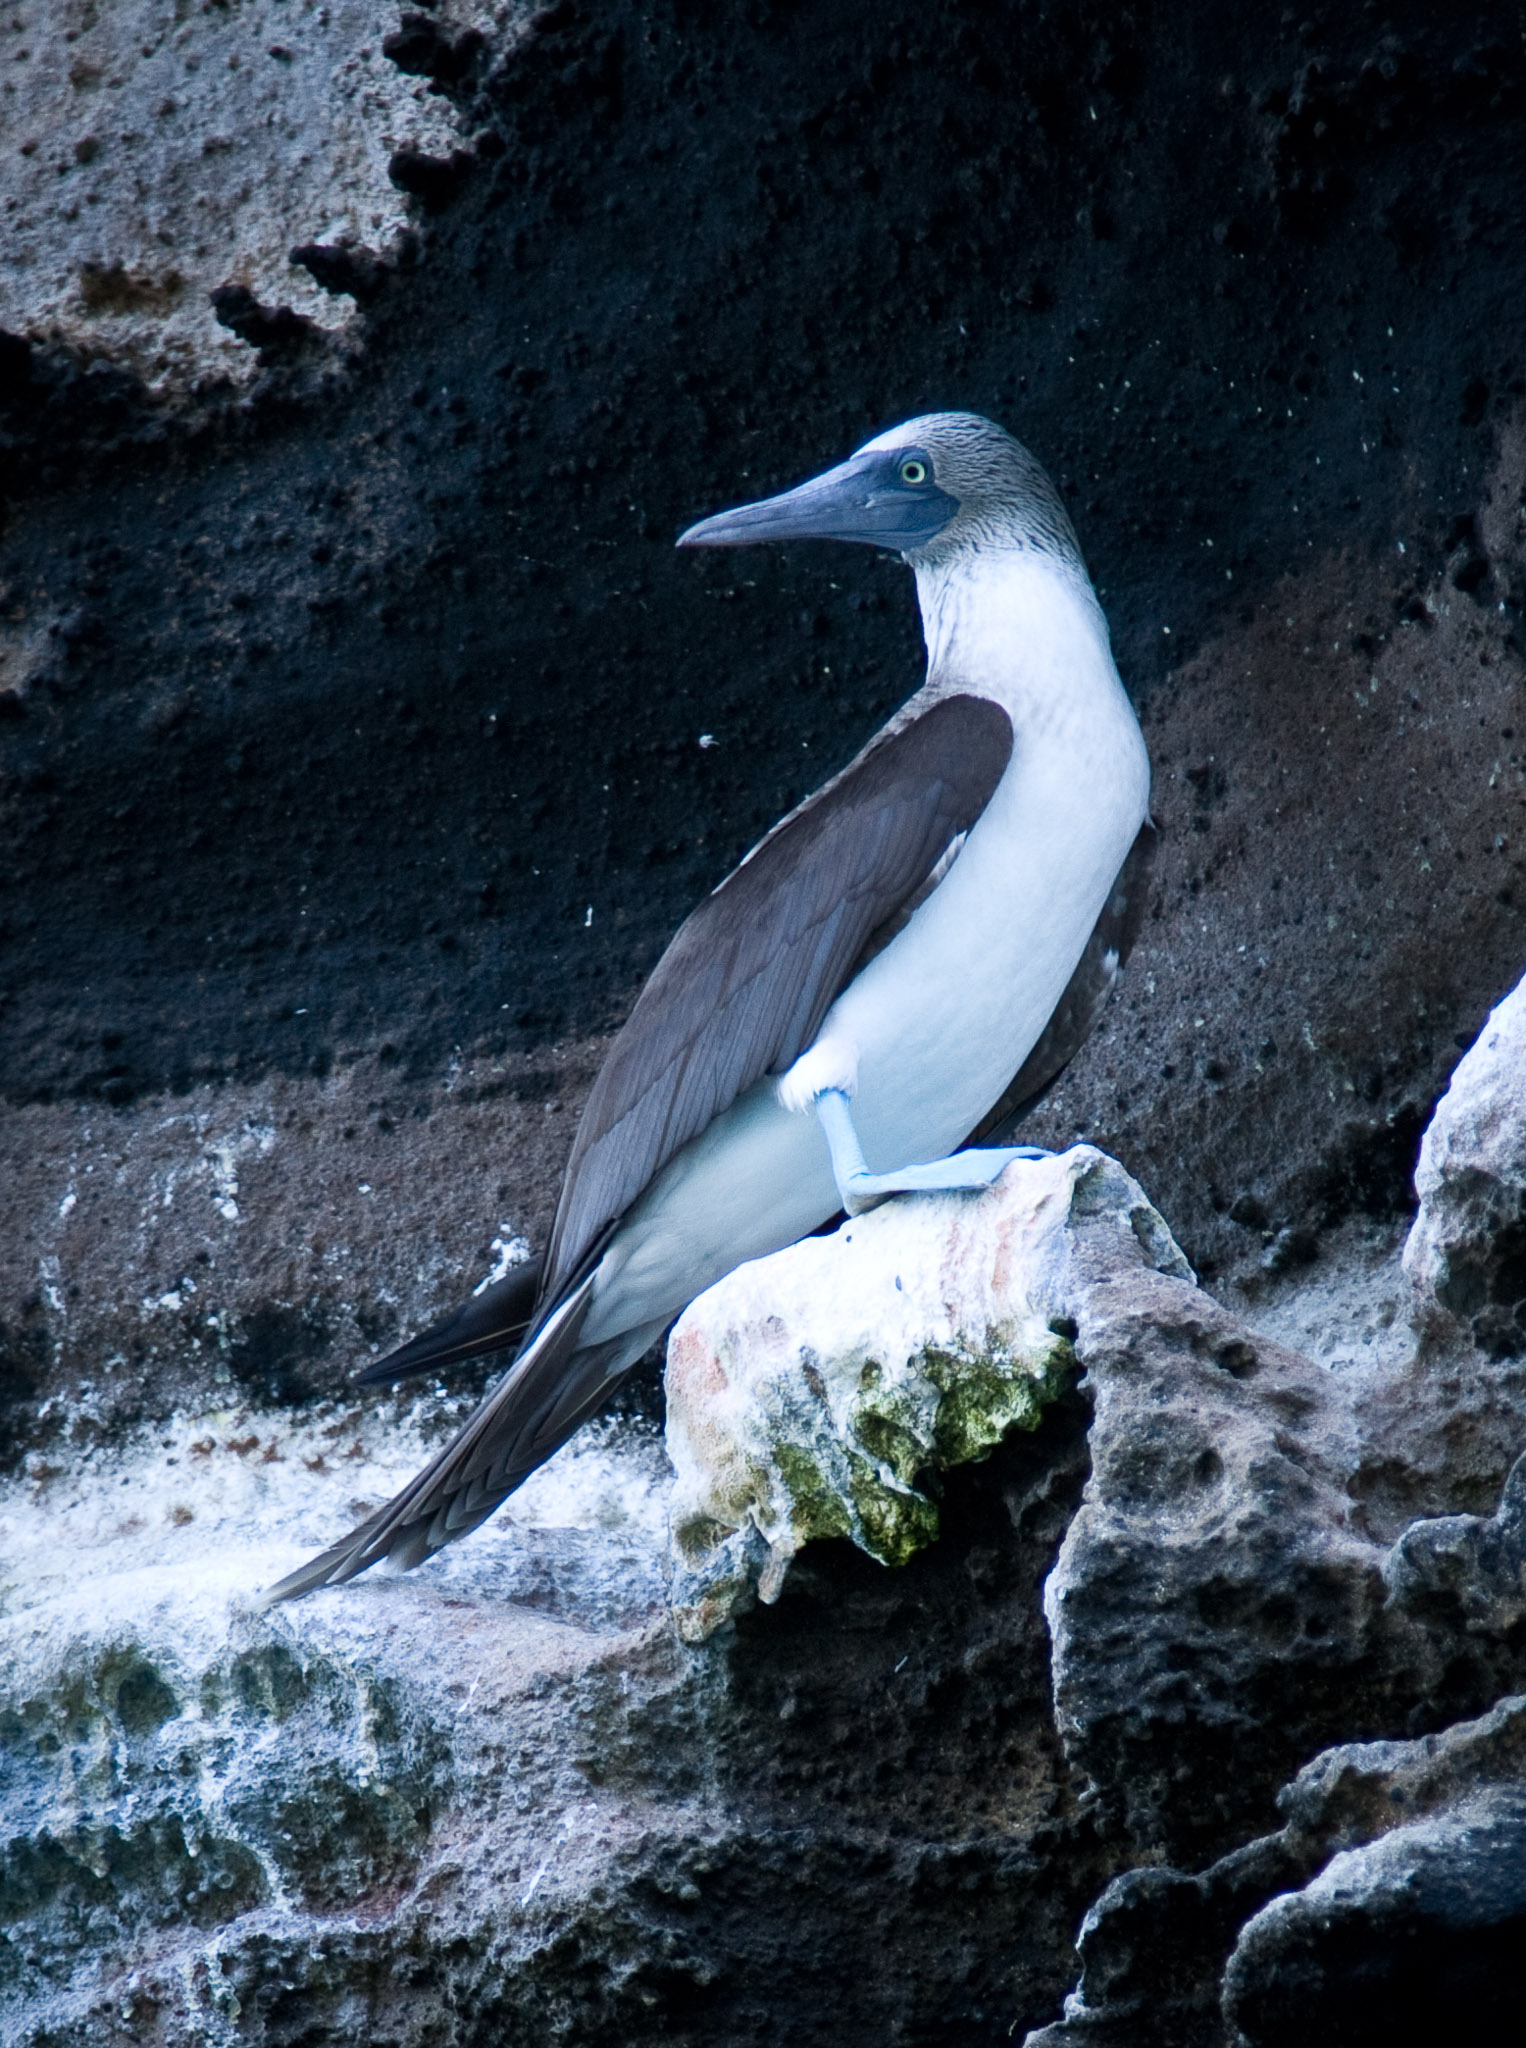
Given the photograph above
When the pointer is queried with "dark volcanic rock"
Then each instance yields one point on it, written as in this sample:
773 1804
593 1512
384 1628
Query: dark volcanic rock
1421 1913
356 272
1396 1895
1279 1615
1468 1572
1216 1506
271 329
499 1800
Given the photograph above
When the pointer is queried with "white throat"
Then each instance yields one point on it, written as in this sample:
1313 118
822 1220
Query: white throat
1018 625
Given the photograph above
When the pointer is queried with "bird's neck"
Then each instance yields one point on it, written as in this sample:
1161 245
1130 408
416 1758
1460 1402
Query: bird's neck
1022 628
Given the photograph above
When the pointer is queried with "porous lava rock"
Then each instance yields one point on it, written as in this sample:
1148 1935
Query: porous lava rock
397 722
824 1390
158 154
1302 1603
1392 1899
498 1799
1417 1916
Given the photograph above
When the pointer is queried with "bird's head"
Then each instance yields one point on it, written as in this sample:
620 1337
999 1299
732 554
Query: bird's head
936 488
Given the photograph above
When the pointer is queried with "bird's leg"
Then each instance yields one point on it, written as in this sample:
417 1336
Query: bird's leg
860 1189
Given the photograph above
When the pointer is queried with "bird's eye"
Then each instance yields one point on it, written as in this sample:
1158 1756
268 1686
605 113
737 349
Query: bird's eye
913 472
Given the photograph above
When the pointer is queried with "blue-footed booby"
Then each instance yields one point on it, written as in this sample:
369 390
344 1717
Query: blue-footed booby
902 964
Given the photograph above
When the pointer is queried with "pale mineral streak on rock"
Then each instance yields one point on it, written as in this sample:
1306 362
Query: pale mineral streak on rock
808 1393
154 153
221 1242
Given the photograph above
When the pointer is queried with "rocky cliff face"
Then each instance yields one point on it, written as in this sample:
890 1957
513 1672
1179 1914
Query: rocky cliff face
361 742
546 1787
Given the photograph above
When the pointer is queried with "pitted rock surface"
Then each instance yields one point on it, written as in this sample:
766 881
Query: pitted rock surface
1306 1602
160 154
497 1800
332 706
824 1390
1392 1891
508 1767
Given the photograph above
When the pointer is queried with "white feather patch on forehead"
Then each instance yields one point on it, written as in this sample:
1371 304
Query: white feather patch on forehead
933 425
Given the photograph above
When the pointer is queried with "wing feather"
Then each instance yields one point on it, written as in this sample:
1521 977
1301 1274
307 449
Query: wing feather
747 980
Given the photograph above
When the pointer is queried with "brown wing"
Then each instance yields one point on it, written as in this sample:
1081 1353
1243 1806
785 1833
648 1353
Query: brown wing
1076 1013
748 978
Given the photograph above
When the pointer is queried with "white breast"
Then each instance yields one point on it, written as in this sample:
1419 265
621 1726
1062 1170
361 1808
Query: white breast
931 1032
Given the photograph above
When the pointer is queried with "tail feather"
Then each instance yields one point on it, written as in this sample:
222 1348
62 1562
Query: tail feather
549 1390
490 1321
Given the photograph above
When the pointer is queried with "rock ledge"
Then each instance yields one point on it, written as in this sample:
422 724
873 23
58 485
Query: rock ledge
819 1392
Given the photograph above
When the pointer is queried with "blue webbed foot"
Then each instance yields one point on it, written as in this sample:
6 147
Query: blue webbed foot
860 1189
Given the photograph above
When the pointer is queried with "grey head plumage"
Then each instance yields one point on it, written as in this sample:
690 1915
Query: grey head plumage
933 489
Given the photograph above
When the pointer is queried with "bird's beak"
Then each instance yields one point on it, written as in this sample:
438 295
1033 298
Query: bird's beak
863 499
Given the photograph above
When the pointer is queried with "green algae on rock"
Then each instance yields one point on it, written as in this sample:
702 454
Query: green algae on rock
811 1394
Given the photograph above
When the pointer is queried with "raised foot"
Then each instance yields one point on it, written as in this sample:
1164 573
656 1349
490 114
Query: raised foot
860 1189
